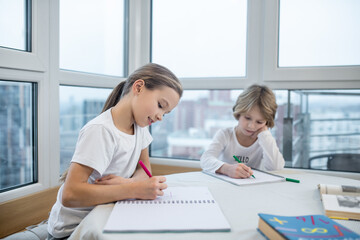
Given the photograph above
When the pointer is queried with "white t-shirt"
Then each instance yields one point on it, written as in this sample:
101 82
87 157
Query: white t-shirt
263 154
107 150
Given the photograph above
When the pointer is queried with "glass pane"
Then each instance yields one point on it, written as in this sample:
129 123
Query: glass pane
335 127
92 36
78 105
17 142
319 33
313 129
189 128
203 38
13 24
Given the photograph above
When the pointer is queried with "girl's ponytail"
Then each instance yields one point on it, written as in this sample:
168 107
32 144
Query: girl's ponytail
154 75
114 97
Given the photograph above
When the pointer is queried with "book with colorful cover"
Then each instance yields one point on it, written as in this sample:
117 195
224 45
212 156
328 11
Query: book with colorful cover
303 227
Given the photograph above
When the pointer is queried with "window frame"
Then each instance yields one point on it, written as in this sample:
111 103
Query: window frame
333 76
32 67
41 66
262 68
31 59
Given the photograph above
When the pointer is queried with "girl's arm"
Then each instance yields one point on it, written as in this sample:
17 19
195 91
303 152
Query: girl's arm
272 157
78 192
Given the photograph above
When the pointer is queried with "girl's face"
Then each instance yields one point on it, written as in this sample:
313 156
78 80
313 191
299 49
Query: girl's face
250 122
151 105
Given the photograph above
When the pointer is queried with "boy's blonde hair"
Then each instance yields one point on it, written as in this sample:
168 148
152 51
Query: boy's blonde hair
257 95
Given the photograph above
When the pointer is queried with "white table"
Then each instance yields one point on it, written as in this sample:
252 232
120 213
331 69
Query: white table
240 205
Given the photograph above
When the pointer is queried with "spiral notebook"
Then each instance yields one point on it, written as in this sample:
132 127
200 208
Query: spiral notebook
260 177
181 209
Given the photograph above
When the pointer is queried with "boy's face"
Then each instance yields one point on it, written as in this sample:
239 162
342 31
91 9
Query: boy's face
250 122
152 105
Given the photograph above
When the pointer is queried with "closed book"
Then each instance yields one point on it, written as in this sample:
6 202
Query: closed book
303 227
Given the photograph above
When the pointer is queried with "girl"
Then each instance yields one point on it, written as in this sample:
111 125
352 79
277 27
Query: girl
104 167
250 141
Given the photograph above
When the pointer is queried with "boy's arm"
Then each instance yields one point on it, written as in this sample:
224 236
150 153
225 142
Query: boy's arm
209 160
272 157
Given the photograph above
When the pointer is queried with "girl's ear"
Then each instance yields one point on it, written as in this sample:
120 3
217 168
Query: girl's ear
138 86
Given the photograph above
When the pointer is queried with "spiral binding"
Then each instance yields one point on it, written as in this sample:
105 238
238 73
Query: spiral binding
134 202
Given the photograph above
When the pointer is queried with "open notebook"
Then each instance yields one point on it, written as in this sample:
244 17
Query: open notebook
181 209
260 177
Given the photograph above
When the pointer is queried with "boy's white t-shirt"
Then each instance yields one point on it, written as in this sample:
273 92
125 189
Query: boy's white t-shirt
263 154
107 150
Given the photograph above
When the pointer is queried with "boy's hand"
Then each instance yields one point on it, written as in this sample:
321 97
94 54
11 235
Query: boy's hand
238 170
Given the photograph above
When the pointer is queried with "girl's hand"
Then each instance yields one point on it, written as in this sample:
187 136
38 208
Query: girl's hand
112 179
151 188
238 170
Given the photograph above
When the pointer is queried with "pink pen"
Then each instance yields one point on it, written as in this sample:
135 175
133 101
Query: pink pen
145 169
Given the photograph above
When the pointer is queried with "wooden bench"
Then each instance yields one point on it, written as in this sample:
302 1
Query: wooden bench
17 214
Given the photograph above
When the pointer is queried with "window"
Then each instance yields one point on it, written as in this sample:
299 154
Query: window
92 36
15 22
78 105
312 123
334 124
93 40
203 38
17 135
319 33
79 48
188 129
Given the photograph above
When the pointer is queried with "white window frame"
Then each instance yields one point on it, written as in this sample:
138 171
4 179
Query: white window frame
33 67
42 67
34 60
261 68
302 77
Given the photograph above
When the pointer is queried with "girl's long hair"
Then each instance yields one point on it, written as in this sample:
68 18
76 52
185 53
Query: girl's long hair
154 75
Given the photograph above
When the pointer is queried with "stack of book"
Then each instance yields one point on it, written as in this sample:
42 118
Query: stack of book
341 201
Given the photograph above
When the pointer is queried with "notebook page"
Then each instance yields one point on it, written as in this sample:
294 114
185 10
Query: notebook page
180 209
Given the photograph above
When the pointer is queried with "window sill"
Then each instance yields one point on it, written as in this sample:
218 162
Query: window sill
196 164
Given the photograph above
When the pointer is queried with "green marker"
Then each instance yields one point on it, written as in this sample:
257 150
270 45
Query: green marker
292 180
236 159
